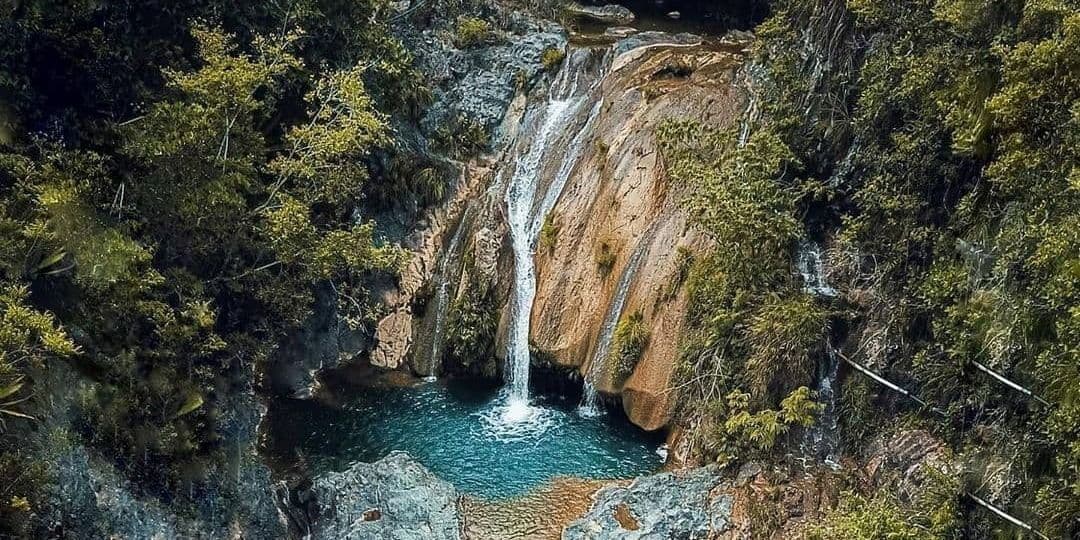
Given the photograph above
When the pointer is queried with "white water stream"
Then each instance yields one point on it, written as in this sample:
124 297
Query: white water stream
590 404
822 440
442 295
568 96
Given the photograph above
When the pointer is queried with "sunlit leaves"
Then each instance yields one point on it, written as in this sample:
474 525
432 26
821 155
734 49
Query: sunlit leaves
743 433
733 192
325 156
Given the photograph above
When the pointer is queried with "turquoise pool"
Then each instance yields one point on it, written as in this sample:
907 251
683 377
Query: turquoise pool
462 431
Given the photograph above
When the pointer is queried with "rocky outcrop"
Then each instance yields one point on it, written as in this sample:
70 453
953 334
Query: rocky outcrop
324 341
609 14
394 498
87 496
902 461
617 193
479 83
682 504
484 85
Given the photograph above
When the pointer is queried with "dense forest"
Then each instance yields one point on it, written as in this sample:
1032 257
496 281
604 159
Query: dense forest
934 147
176 180
181 182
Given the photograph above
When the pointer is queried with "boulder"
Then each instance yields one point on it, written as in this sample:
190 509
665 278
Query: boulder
680 504
393 337
619 32
610 14
395 498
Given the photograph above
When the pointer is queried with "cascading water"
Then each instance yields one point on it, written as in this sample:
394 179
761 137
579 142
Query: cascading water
822 440
590 404
442 294
811 266
556 120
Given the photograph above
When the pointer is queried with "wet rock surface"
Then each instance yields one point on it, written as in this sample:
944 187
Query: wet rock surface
471 86
395 498
671 505
608 14
619 196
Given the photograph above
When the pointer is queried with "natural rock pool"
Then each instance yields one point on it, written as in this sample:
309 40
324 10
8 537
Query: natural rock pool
459 431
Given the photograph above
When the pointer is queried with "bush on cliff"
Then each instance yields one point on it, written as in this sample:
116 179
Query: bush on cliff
628 343
471 31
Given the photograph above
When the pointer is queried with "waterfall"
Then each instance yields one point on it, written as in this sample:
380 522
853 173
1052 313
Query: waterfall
590 404
442 294
812 268
822 440
557 119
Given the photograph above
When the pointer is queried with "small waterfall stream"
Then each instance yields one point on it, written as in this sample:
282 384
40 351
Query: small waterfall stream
569 94
442 279
822 440
590 404
811 266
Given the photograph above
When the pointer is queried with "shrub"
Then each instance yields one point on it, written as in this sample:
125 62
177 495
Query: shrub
743 434
605 259
471 325
472 31
549 232
781 338
628 344
878 518
461 137
551 58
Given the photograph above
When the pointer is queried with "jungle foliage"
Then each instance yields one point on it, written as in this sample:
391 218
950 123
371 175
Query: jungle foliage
175 182
933 145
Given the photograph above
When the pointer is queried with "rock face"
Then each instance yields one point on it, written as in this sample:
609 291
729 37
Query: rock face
681 504
394 498
609 14
483 85
619 199
323 342
901 460
88 497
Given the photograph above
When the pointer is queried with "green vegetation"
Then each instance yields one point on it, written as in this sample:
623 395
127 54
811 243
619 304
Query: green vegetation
744 434
934 513
462 137
165 225
934 145
628 343
551 58
604 259
751 326
471 31
472 322
781 336
549 232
